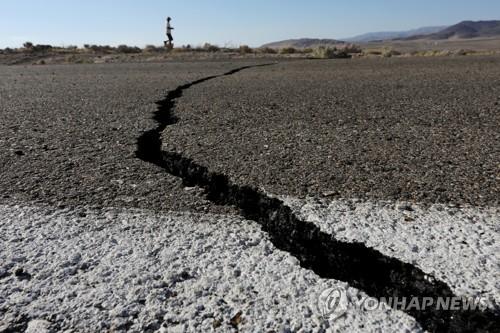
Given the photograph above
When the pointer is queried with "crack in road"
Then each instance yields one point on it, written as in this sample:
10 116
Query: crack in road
361 267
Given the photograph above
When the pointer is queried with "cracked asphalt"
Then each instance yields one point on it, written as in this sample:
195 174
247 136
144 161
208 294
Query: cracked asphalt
424 130
68 135
416 129
89 238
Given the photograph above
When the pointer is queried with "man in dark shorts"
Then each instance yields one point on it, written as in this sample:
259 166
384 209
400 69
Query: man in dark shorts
168 43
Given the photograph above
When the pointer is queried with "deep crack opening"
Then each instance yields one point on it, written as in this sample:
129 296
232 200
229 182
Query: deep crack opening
361 267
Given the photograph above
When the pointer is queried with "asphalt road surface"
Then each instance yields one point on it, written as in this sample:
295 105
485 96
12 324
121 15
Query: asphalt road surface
419 129
332 162
69 135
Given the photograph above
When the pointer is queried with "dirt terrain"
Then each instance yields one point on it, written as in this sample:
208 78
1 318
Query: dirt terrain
485 44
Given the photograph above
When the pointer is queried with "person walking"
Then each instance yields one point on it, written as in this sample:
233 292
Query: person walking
169 43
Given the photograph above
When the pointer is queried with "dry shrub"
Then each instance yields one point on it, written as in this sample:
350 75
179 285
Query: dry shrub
29 46
153 49
351 49
128 49
323 52
288 50
267 50
7 50
99 48
211 48
389 53
245 49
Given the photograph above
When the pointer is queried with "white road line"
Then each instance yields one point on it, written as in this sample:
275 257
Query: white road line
459 246
116 269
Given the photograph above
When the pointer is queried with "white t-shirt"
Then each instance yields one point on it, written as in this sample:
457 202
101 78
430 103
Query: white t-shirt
169 28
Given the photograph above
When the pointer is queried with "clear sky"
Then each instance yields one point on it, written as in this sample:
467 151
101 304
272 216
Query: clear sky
222 22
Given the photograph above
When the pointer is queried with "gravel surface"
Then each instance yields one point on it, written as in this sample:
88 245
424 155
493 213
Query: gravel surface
141 271
419 129
68 135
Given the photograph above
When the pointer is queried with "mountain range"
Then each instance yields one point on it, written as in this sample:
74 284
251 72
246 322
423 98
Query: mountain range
387 35
462 30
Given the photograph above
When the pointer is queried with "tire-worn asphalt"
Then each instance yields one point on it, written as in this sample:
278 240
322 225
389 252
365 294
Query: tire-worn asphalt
416 129
68 135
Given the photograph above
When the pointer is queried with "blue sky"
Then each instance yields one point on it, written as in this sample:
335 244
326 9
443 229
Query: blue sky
222 22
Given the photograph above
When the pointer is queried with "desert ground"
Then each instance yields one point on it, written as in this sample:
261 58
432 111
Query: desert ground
228 195
35 54
485 44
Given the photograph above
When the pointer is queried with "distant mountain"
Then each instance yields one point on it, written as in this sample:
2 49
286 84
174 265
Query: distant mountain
387 35
303 43
465 30
462 30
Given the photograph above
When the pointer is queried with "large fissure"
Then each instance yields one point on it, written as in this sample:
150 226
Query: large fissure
361 267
